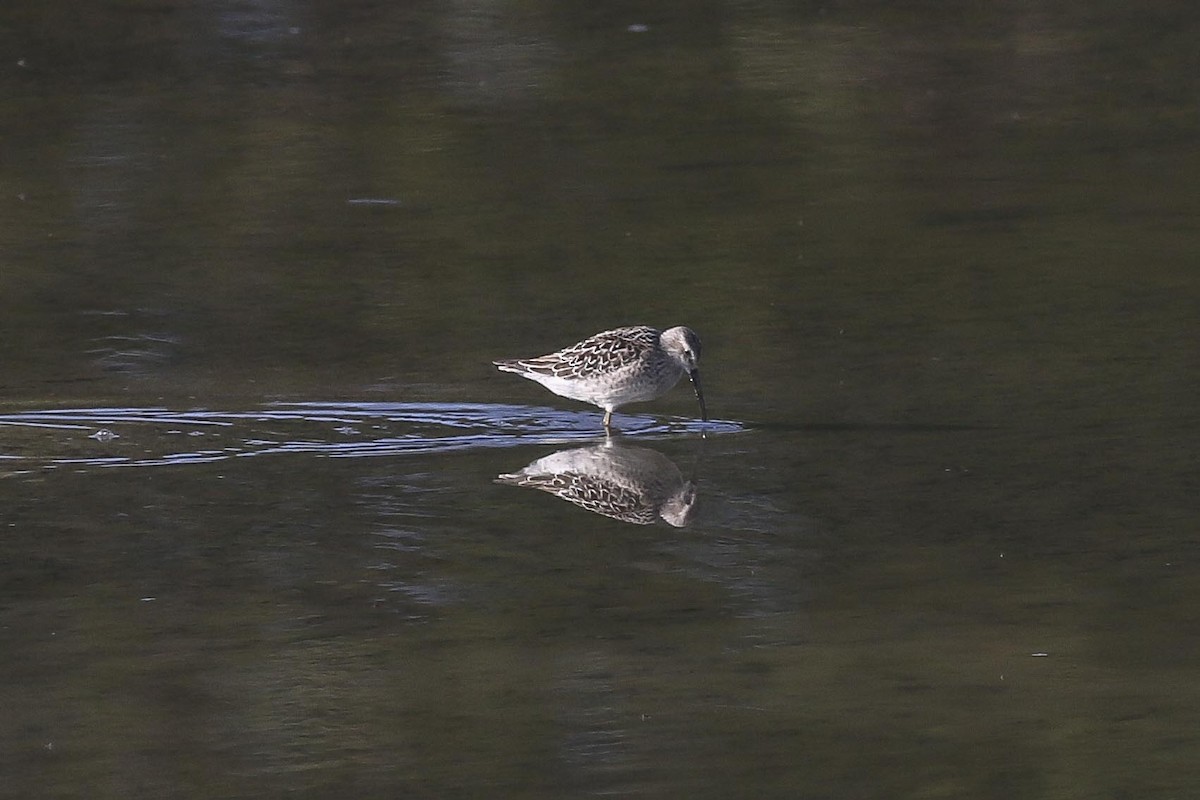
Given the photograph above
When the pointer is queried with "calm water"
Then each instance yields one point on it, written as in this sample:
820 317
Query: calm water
263 532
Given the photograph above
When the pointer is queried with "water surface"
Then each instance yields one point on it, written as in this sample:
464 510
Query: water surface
256 259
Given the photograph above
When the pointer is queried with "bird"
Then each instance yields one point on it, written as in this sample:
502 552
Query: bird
624 365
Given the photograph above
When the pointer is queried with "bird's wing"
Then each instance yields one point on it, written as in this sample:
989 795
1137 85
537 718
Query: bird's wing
595 355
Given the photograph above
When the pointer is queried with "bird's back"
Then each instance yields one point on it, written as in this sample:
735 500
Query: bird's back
595 356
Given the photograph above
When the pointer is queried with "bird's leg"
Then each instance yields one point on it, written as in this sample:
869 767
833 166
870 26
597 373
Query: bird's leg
607 420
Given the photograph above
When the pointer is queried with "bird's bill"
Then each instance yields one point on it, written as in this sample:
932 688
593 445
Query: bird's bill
694 375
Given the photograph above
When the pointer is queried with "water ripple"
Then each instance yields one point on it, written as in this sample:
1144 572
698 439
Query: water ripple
140 437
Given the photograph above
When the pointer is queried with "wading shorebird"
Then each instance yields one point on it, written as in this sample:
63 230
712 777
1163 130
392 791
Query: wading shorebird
624 365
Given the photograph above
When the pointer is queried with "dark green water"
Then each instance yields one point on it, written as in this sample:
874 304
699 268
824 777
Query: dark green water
256 258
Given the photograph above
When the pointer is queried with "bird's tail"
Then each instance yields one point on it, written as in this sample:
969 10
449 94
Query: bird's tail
509 365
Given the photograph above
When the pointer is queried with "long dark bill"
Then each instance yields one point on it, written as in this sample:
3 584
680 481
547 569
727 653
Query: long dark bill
694 375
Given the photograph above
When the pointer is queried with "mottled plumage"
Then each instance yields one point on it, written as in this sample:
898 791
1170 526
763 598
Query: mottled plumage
624 365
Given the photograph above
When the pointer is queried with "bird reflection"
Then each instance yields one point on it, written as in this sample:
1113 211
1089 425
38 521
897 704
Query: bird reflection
630 484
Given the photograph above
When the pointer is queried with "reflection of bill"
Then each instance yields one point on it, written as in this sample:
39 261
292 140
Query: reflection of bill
630 484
